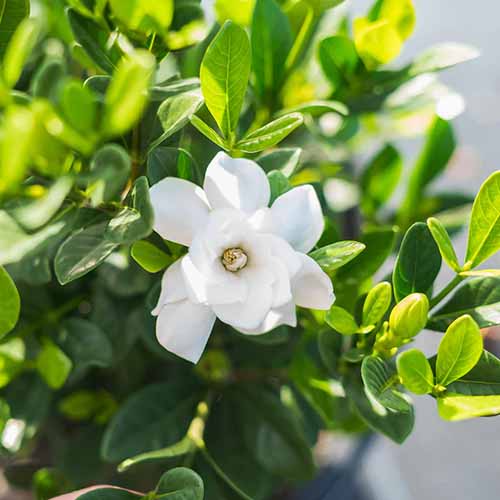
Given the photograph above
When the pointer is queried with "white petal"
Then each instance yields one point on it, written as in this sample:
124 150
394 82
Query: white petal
312 287
284 315
282 292
298 217
236 183
283 251
180 209
173 287
195 281
183 328
250 313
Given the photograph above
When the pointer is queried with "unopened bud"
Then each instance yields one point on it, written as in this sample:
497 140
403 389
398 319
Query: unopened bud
409 316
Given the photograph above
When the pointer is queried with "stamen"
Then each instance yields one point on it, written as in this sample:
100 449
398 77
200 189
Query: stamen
234 259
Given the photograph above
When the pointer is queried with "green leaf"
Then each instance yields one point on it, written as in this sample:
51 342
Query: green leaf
459 350
16 146
379 243
135 221
85 343
418 262
149 256
181 484
19 49
109 172
482 380
279 184
409 316
435 155
441 57
271 42
285 159
209 132
83 251
144 16
127 94
341 321
338 59
274 435
10 303
317 108
271 134
48 79
380 178
479 297
484 229
443 241
109 494
415 371
337 254
175 112
12 12
485 273
377 303
224 74
456 407
53 365
393 424
37 213
381 384
12 357
156 416
79 106
94 39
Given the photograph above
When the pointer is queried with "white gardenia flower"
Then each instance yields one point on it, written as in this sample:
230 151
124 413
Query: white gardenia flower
246 264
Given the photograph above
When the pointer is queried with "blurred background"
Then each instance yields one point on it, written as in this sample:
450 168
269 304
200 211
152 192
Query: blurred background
459 460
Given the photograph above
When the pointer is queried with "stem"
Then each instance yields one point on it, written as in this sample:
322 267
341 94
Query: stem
223 475
300 41
446 290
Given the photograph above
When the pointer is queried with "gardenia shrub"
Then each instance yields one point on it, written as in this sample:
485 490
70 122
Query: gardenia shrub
210 252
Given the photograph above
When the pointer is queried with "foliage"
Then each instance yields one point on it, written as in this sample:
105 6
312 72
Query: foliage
101 100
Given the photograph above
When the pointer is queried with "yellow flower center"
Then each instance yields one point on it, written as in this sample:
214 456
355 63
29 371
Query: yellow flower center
234 259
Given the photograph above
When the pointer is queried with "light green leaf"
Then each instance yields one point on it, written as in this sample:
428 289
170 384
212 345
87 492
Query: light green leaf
485 273
149 256
338 59
409 316
337 254
484 229
146 16
271 42
317 108
134 221
341 321
10 303
459 350
381 384
418 262
94 40
239 11
82 252
19 49
79 106
377 303
127 94
415 371
271 134
224 74
457 407
37 213
441 57
156 416
180 484
12 12
443 242
53 365
175 112
209 132
479 297
401 13
380 178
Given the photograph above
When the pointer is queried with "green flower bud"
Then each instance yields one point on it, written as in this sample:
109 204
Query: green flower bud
409 316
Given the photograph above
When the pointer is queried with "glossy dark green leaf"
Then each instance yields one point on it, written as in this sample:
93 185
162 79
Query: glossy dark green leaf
271 41
48 79
479 297
82 252
109 494
156 416
279 184
284 159
181 484
338 59
271 134
134 221
10 303
380 178
337 254
418 262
